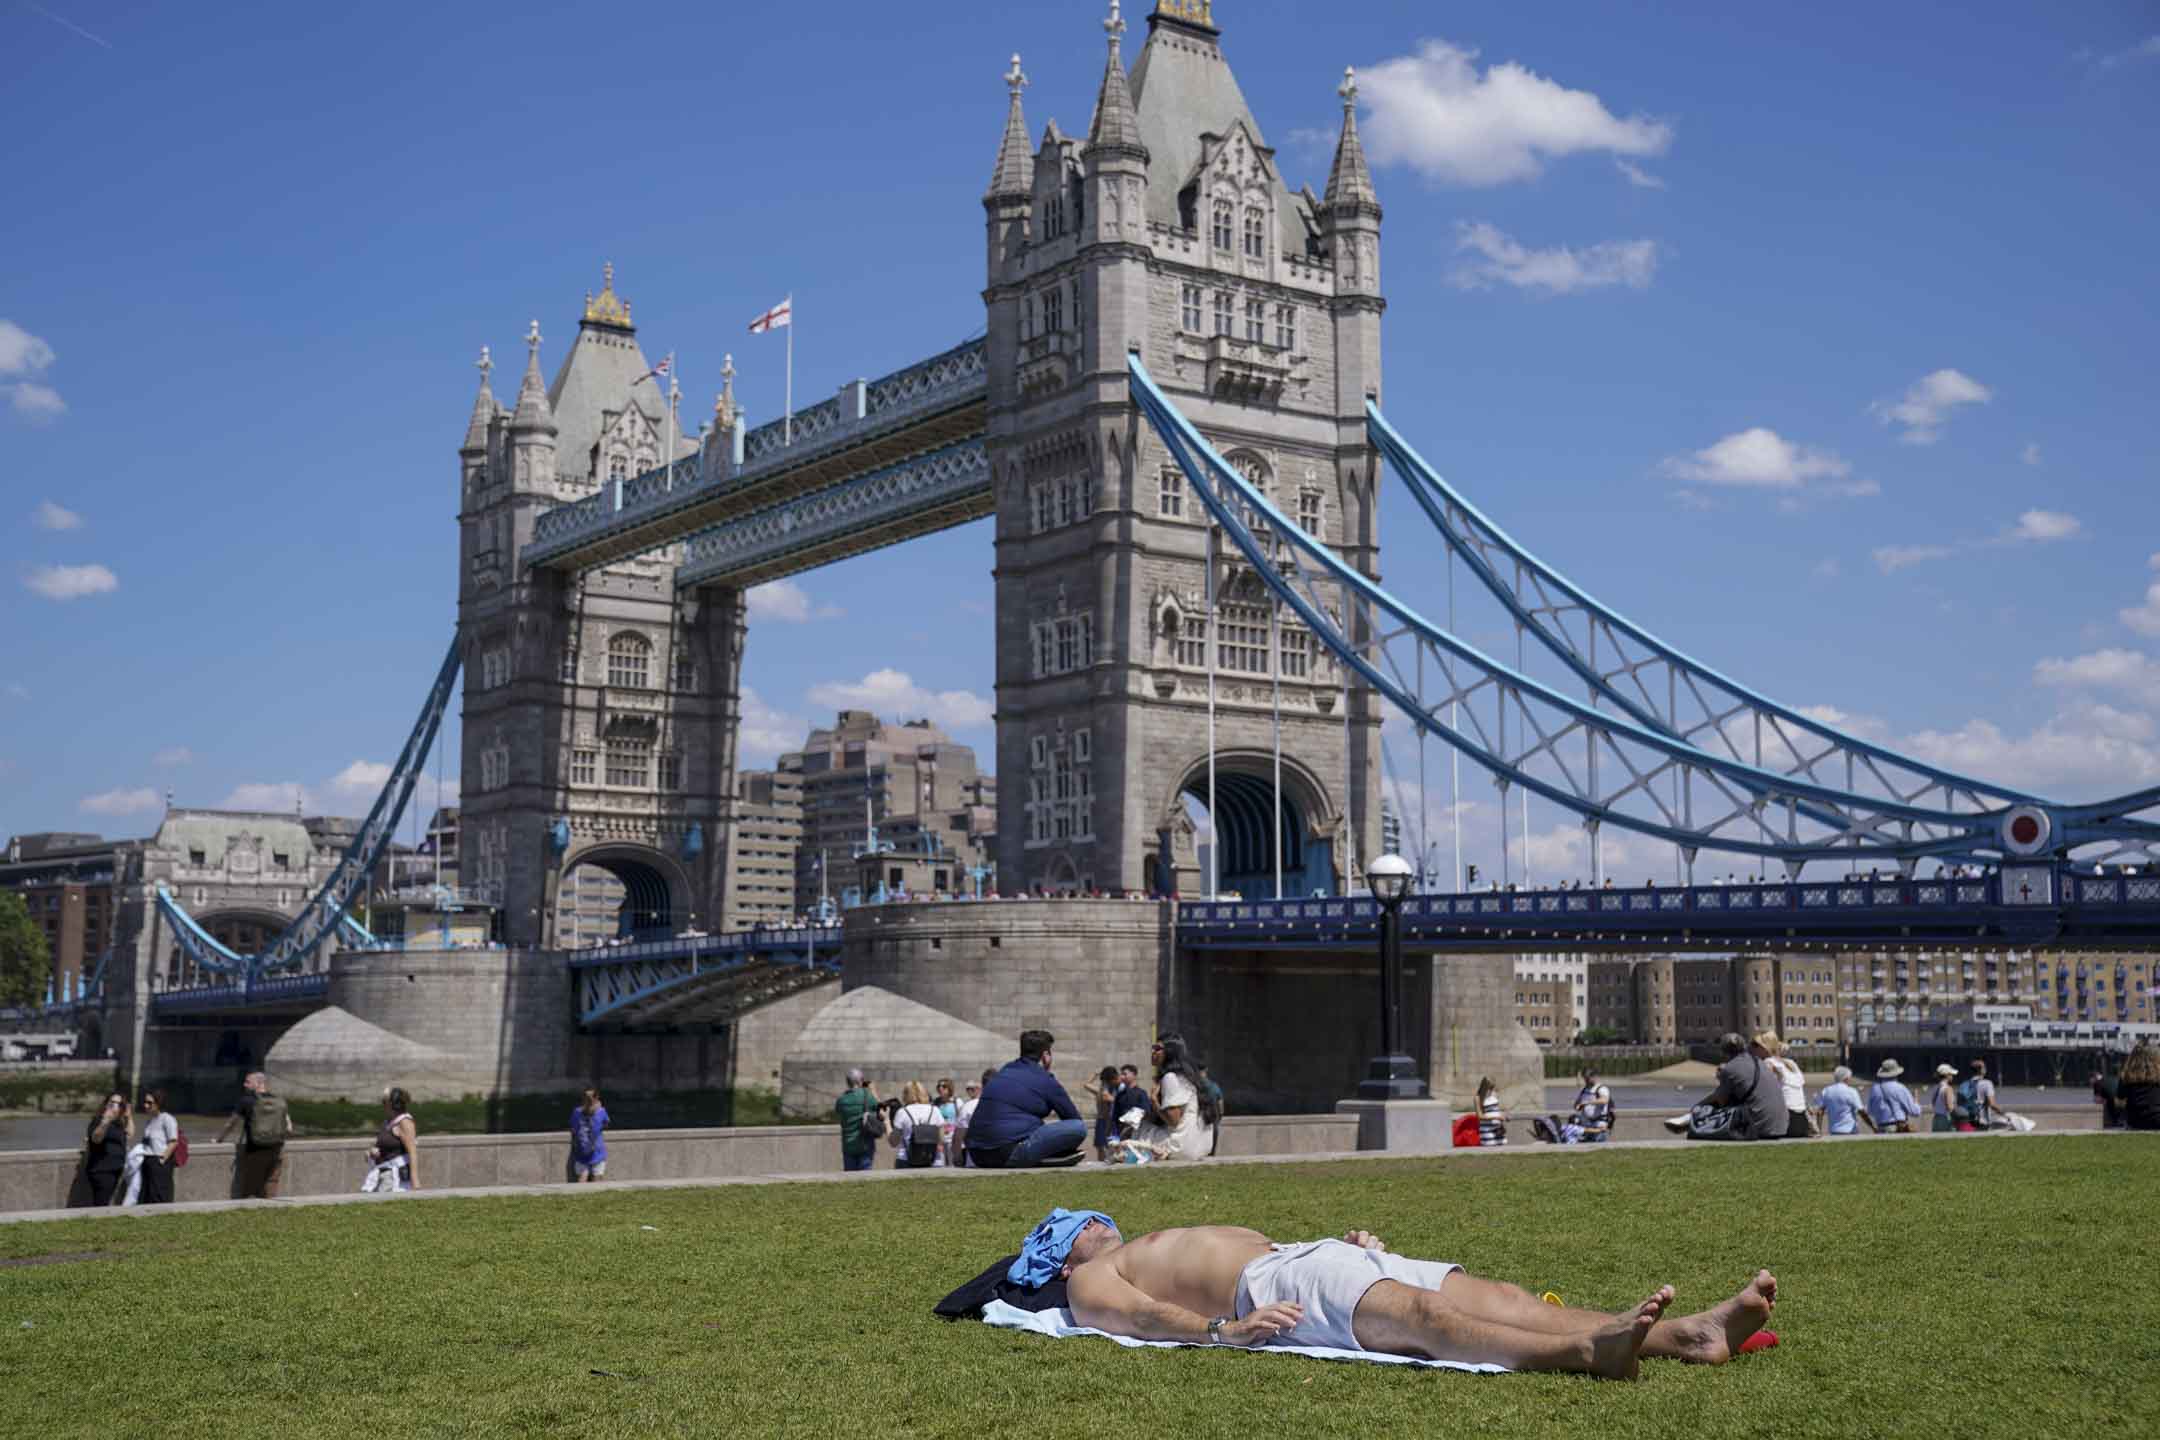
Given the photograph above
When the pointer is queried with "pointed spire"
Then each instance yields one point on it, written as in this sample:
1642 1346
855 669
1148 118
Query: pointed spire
724 403
484 408
1014 176
1116 126
607 308
1349 184
533 410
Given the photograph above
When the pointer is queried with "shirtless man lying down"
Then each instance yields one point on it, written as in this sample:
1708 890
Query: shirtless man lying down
1233 1286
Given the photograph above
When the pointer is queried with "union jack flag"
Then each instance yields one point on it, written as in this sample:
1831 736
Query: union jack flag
658 371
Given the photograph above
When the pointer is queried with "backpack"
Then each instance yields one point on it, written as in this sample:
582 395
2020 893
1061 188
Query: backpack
923 1140
1968 1104
269 1124
179 1149
873 1123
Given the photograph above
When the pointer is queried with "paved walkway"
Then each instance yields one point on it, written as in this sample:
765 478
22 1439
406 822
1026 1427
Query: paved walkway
971 1175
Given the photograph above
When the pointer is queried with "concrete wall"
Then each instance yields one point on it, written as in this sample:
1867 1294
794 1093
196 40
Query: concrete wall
504 1014
1085 970
39 1179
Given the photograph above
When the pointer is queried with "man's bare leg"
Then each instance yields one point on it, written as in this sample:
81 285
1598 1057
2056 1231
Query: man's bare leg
1398 1319
1710 1337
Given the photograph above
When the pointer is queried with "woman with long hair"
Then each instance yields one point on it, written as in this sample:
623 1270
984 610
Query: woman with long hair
1786 1071
2140 1087
1179 1126
395 1157
105 1148
1491 1119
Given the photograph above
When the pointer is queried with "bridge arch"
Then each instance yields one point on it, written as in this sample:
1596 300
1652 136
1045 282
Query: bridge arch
1244 826
656 893
247 929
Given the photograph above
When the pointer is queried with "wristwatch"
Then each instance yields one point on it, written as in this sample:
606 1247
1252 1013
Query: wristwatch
1214 1330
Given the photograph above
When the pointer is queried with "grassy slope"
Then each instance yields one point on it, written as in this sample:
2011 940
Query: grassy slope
1963 1288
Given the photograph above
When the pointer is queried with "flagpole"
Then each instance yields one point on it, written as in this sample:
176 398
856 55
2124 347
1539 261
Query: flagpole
788 433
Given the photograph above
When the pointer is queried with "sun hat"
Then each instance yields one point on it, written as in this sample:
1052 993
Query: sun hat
1889 1070
1946 1071
1769 1041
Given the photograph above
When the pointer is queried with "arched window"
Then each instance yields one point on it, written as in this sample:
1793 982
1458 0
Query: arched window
629 661
1219 232
1255 233
618 465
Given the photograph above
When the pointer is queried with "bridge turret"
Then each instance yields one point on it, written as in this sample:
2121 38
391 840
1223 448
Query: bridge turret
1010 197
479 433
1350 228
1115 162
724 438
532 426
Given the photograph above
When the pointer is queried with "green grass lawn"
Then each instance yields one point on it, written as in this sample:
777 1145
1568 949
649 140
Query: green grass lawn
1939 1289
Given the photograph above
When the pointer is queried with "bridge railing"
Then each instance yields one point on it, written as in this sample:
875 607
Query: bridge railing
860 410
268 991
732 942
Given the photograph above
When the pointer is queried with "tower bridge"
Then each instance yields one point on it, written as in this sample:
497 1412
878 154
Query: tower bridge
1174 420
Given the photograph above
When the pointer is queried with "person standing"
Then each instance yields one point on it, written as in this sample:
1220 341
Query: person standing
588 1139
1130 1096
264 1127
1978 1093
149 1174
1840 1103
956 1148
1106 1092
1791 1083
918 1130
396 1156
1944 1101
1890 1106
1026 1119
105 1149
858 1146
1491 1119
2139 1086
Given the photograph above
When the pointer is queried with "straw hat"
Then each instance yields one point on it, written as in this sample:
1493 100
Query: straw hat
1889 1070
1769 1041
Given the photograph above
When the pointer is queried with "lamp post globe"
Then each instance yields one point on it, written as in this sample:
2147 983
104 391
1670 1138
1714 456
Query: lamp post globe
1393 1074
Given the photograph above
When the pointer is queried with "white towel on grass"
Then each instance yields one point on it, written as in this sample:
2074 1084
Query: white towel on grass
1058 1324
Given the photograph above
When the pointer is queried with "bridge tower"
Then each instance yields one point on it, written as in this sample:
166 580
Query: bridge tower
600 709
1169 231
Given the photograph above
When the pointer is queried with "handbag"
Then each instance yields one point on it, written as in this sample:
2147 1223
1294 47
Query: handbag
1724 1122
179 1148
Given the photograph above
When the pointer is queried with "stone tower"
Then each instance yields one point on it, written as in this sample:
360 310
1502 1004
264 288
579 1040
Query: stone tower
1169 231
600 711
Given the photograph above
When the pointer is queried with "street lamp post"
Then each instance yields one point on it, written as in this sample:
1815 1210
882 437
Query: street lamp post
1393 1074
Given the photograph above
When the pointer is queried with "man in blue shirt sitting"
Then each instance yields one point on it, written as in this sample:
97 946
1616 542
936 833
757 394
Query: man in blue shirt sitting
1013 1128
1840 1103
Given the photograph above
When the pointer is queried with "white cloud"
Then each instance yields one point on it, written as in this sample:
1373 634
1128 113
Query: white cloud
895 696
122 802
1560 270
1827 568
1640 178
786 602
2031 453
1760 458
22 353
277 796
49 516
173 755
763 734
348 792
2086 747
2044 525
2145 618
2128 672
1928 404
1436 112
18 690
35 401
361 777
2146 49
1892 558
71 582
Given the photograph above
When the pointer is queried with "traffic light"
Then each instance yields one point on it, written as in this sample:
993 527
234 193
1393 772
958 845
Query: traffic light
1469 875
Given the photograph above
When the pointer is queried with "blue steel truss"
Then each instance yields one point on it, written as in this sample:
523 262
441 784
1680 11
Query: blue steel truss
1605 767
862 413
329 909
623 983
2019 907
1664 689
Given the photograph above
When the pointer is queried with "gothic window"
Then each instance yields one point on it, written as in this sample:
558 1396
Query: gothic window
1171 498
1296 654
1086 494
1041 636
1038 751
584 767
670 773
1286 327
1027 318
686 674
1191 314
494 669
1256 321
1225 318
1064 500
618 465
1220 231
1308 511
566 667
1053 223
1255 232
1082 750
629 761
1054 308
1242 644
1190 641
1068 645
629 661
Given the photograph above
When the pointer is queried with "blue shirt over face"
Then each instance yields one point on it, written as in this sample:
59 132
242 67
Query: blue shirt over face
1017 1100
1841 1108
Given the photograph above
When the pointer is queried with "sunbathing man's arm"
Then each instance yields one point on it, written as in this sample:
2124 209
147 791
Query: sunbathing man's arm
1104 1300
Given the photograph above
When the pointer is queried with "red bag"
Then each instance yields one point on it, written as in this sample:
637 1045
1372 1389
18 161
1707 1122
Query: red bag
179 1148
1466 1130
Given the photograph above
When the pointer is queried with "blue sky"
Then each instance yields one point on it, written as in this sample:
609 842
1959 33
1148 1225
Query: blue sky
1820 342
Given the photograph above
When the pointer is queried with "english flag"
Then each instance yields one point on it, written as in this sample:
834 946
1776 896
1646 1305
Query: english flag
780 314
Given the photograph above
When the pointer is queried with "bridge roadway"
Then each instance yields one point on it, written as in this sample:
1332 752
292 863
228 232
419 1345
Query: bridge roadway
879 462
2023 907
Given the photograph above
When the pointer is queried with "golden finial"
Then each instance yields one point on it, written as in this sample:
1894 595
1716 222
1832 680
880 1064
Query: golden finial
607 308
1195 12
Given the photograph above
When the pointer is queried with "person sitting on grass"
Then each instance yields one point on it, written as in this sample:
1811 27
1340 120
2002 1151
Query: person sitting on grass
1025 1118
1225 1285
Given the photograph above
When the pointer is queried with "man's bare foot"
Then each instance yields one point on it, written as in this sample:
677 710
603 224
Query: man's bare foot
1614 1349
1713 1337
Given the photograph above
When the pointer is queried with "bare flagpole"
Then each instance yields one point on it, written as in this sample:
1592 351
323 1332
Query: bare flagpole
1275 645
1214 820
788 433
